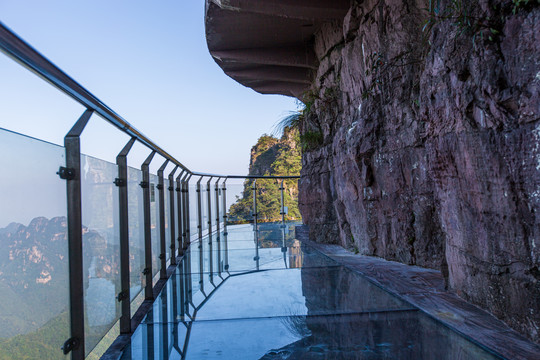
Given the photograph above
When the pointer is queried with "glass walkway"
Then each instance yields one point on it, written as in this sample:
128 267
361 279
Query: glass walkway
265 295
88 244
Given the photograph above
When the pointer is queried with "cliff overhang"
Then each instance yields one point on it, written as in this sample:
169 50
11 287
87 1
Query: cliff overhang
268 45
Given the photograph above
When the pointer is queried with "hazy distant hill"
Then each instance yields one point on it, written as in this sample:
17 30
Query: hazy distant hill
34 285
33 274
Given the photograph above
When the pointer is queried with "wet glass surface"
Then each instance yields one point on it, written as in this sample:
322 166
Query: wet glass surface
221 304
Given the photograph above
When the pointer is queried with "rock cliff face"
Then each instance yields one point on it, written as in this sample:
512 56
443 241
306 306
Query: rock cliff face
430 150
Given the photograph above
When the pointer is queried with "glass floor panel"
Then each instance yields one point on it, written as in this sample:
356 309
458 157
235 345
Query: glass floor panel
404 334
276 293
240 300
245 240
215 261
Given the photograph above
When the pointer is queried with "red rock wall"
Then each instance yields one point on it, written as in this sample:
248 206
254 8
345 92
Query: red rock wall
431 150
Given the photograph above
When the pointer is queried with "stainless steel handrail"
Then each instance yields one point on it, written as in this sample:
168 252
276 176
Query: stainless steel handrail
263 177
19 50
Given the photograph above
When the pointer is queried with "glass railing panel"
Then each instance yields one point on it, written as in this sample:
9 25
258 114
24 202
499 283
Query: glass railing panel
290 195
154 216
204 206
193 210
240 201
34 290
239 211
194 267
101 248
212 194
136 235
220 207
268 200
167 220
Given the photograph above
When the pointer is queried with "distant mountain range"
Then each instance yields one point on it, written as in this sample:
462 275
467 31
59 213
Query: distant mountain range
34 285
33 274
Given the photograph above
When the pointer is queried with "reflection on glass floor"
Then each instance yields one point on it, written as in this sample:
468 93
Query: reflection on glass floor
240 297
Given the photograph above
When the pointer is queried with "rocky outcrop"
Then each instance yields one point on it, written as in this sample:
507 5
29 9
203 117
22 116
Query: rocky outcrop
430 144
270 156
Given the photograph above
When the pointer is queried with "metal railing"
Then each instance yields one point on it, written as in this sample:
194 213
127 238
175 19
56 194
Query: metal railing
178 194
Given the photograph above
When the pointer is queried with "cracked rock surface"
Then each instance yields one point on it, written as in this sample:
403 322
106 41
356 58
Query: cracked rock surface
430 150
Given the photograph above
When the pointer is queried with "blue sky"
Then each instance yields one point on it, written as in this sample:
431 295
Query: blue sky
149 62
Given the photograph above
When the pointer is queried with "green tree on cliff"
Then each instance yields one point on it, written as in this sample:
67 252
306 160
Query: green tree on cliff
271 156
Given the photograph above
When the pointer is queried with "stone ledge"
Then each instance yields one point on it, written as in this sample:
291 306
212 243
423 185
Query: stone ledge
424 289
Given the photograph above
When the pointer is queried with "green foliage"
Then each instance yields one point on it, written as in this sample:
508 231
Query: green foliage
281 158
459 13
291 121
309 100
331 94
522 3
44 343
297 121
311 140
266 141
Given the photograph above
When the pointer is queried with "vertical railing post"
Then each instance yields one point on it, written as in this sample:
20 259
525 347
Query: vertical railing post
145 184
209 210
72 174
217 226
185 205
217 210
257 257
122 182
224 204
226 251
162 243
180 214
172 220
281 188
225 233
209 214
283 244
218 220
199 211
255 205
255 226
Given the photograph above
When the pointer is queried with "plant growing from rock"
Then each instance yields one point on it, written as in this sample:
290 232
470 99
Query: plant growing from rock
460 14
305 121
